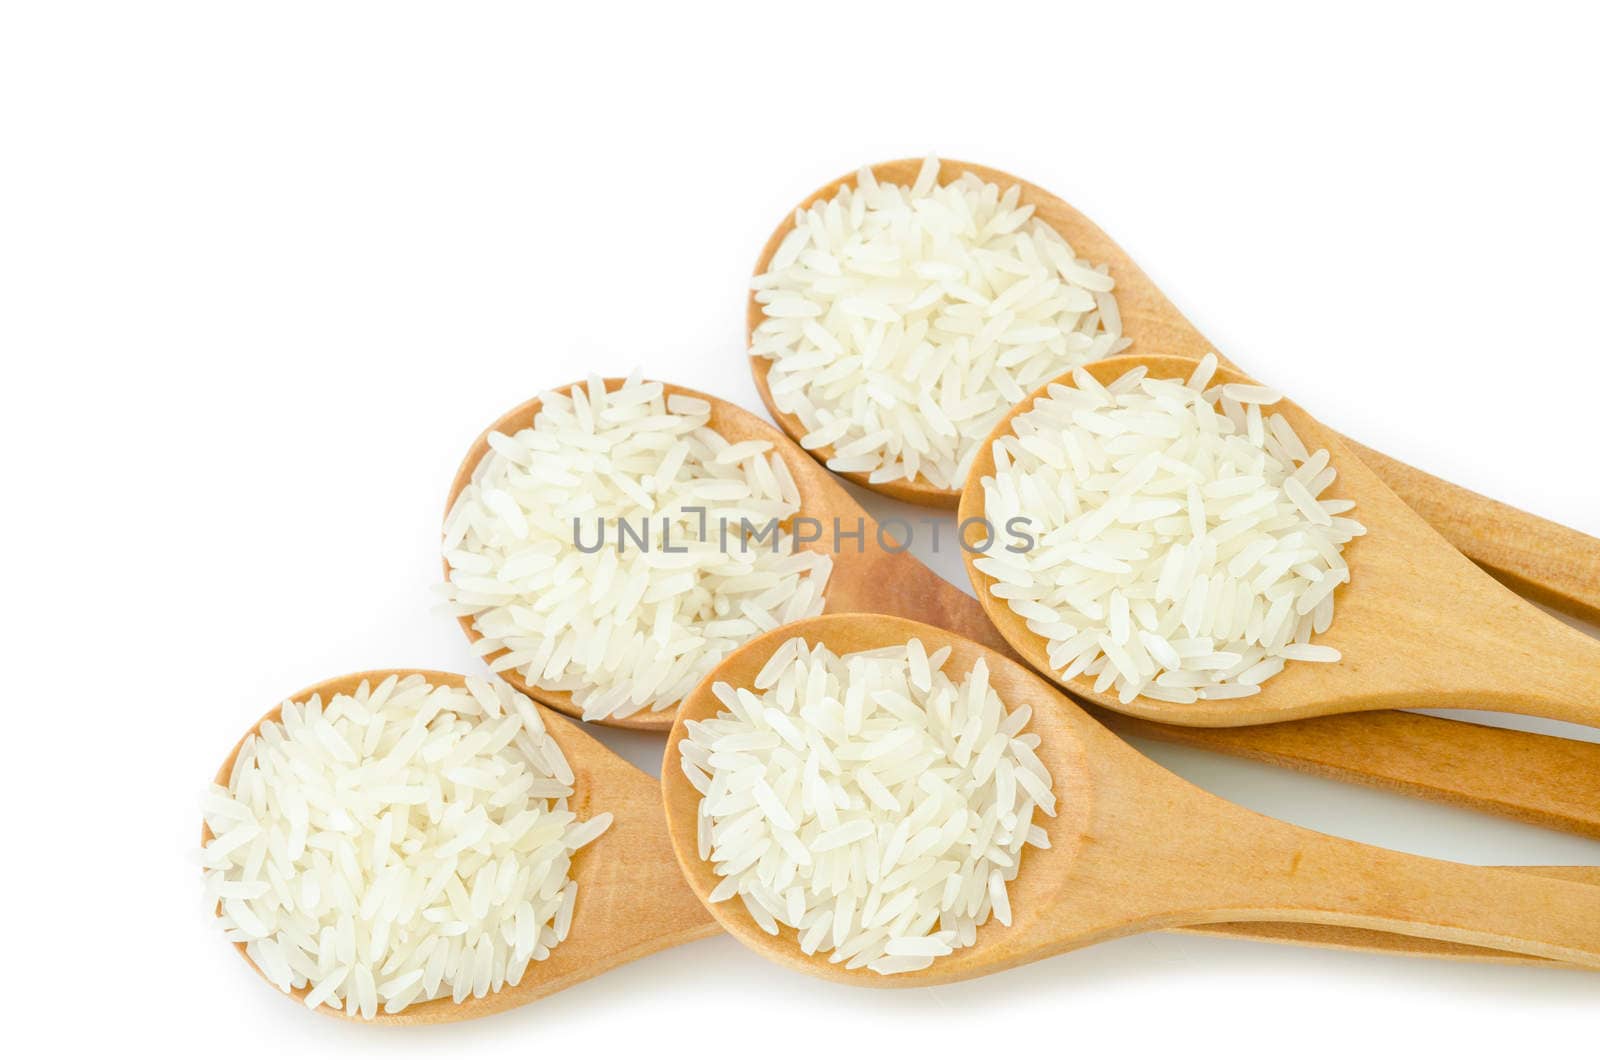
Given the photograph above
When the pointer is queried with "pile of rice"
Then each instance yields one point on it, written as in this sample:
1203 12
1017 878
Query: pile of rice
625 629
867 801
1182 549
902 323
404 843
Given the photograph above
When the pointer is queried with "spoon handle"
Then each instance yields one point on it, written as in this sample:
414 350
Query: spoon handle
1306 877
1542 560
1529 777
1168 854
1342 938
1517 658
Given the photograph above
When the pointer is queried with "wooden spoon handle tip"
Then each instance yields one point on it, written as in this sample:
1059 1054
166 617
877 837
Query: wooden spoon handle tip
1274 872
1325 936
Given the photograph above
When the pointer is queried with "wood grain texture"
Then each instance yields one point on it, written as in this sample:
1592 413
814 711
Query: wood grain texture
632 900
1542 560
1548 562
1418 625
1324 936
1536 779
1135 848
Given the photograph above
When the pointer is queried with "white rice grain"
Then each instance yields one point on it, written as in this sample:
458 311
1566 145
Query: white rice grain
668 579
431 863
1194 558
902 323
842 798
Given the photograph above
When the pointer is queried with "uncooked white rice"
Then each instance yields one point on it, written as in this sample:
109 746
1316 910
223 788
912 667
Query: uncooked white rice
408 842
867 801
1182 552
902 323
625 628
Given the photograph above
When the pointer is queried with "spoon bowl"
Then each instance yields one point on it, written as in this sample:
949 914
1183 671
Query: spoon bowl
871 570
1418 625
1144 310
1135 848
631 901
1061 750
1549 562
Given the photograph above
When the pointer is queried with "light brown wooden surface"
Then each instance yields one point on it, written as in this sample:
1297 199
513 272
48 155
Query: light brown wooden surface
1548 562
632 900
1325 936
1529 777
1542 560
1135 848
1418 625
1542 780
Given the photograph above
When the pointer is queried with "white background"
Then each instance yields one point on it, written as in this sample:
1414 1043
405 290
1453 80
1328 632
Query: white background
265 270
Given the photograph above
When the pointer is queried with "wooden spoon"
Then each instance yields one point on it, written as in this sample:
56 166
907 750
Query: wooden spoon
632 900
1134 848
1418 625
1555 565
1543 780
871 571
